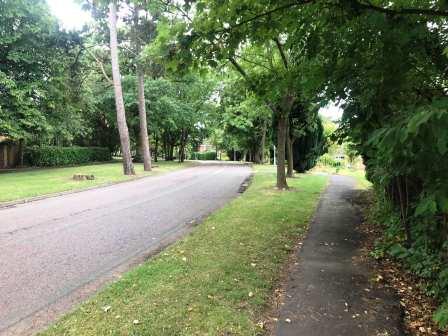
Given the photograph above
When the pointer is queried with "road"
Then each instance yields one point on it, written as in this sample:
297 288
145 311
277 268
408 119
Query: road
58 251
329 291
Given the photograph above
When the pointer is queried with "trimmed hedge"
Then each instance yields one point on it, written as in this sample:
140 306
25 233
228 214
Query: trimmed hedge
52 156
203 156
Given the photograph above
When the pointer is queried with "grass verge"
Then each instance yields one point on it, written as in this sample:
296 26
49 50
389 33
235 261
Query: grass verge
18 185
358 174
216 281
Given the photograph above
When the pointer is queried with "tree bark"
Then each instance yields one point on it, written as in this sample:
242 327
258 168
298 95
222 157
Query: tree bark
263 142
156 150
128 166
289 143
182 145
282 130
281 145
144 138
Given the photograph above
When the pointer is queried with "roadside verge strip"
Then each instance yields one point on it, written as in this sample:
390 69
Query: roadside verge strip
217 280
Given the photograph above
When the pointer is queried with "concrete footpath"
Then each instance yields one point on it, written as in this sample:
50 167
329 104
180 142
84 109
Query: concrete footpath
329 290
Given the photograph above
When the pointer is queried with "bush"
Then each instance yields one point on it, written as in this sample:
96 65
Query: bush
203 156
52 156
328 161
441 316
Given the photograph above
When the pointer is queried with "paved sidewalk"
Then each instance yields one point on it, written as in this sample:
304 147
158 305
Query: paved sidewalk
328 291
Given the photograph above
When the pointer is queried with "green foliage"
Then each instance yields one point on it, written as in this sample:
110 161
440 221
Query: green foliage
385 68
203 156
393 91
243 119
50 156
329 161
310 142
40 74
441 316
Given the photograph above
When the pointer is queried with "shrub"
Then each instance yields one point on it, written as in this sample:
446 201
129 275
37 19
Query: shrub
52 156
441 316
203 156
328 161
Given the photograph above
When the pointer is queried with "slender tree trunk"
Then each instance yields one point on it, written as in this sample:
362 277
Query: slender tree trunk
128 167
404 209
281 145
282 130
171 152
165 146
182 145
263 142
144 139
156 150
289 143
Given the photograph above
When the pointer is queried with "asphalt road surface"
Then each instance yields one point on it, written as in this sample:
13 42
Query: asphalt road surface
58 251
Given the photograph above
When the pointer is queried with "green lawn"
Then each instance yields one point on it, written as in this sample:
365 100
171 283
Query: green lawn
216 281
37 182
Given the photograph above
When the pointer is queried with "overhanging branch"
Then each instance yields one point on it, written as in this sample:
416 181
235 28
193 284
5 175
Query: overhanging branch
282 52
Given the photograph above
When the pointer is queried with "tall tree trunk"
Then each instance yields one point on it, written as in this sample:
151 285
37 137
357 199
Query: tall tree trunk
144 139
263 142
281 145
282 130
170 152
182 145
156 149
128 167
289 143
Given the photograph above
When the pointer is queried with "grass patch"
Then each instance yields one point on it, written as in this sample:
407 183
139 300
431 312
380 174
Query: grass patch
358 174
36 182
216 281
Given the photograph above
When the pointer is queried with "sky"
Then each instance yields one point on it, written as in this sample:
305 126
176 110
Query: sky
331 111
69 13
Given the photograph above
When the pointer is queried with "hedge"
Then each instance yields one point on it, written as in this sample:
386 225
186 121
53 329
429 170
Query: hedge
52 156
203 156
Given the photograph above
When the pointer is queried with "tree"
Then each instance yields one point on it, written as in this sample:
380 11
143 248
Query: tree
244 119
40 76
128 166
144 139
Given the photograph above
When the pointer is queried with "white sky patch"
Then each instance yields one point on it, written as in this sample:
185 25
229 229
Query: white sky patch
331 111
69 13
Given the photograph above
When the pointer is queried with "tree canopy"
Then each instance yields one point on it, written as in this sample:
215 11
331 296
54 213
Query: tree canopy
249 77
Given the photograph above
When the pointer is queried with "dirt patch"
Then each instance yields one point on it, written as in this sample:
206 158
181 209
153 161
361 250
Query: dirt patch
418 308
